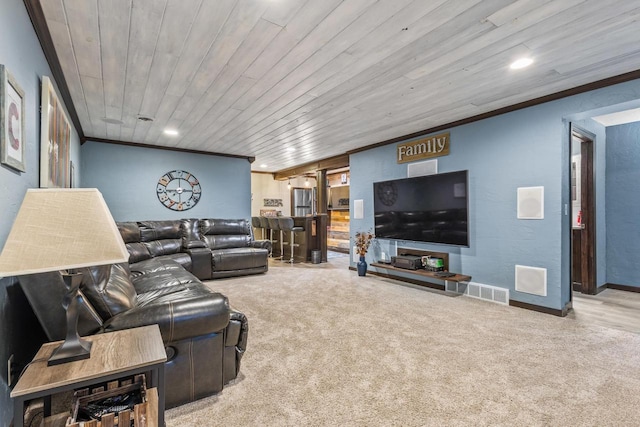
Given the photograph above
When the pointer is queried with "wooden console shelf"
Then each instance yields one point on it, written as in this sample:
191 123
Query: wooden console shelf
424 273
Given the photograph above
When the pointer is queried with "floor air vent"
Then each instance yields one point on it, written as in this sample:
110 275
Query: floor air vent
480 291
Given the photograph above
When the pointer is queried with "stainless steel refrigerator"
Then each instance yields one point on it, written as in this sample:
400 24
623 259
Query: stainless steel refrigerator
302 202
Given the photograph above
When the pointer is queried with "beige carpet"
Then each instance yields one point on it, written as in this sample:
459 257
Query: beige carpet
329 348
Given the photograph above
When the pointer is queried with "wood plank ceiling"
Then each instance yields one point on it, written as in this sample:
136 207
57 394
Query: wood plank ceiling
293 81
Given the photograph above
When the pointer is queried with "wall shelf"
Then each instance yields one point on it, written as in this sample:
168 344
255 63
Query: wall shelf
424 273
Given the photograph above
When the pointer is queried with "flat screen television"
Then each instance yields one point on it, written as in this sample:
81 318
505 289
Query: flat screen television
432 208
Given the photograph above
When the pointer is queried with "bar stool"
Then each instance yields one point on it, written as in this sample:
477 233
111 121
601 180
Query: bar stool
255 222
287 224
274 225
264 224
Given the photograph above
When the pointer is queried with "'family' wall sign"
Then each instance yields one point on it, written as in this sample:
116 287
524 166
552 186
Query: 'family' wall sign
425 148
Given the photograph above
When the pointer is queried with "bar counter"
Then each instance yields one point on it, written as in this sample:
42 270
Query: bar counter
313 237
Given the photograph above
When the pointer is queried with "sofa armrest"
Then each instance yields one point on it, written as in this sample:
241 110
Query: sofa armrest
178 319
235 344
200 262
237 331
261 244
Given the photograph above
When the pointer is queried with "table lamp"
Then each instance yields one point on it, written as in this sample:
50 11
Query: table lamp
63 229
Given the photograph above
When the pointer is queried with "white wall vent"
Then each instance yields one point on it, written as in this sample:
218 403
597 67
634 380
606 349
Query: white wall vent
428 167
532 280
473 290
480 291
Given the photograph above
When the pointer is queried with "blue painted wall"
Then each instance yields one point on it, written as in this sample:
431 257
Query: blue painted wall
623 204
127 177
529 147
21 54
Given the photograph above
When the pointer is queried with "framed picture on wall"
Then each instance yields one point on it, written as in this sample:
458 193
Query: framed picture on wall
12 138
55 138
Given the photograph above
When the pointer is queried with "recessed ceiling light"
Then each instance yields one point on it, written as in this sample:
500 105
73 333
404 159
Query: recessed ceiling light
263 166
171 132
291 149
521 63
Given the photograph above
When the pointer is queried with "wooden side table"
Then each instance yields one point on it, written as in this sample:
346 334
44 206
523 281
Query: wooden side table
113 355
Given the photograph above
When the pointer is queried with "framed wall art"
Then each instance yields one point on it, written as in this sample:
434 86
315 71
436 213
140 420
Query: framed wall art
55 140
12 138
272 202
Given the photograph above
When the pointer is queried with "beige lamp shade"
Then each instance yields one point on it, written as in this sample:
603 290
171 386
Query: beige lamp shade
61 229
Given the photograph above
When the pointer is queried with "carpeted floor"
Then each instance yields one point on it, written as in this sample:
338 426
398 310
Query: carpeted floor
329 348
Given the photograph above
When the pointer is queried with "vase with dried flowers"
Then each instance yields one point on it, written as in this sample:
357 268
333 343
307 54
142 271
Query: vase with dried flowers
363 240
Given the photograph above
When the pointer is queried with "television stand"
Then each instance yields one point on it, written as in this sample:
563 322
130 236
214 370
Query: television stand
454 277
388 270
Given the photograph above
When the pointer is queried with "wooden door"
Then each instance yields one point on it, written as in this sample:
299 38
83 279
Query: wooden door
583 257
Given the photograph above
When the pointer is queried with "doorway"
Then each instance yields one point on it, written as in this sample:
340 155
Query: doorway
338 210
583 222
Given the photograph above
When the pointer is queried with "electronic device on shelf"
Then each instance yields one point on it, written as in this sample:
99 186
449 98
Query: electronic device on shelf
432 263
409 262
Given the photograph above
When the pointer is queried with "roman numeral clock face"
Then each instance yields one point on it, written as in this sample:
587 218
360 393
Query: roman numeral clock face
178 190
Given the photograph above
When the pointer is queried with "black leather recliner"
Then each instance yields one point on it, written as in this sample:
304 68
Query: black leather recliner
204 338
234 252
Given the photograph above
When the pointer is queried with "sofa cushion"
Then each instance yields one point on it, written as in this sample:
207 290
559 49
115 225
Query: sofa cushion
226 233
154 295
153 265
181 315
238 258
159 230
164 247
138 251
224 241
225 226
129 231
161 237
163 279
108 289
178 261
190 230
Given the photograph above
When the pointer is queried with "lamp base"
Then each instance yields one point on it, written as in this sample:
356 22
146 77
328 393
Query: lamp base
73 348
70 352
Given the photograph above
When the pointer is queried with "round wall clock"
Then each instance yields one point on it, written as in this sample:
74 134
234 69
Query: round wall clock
178 190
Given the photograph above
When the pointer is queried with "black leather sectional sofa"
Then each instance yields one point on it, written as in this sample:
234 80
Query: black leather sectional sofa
203 336
210 248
